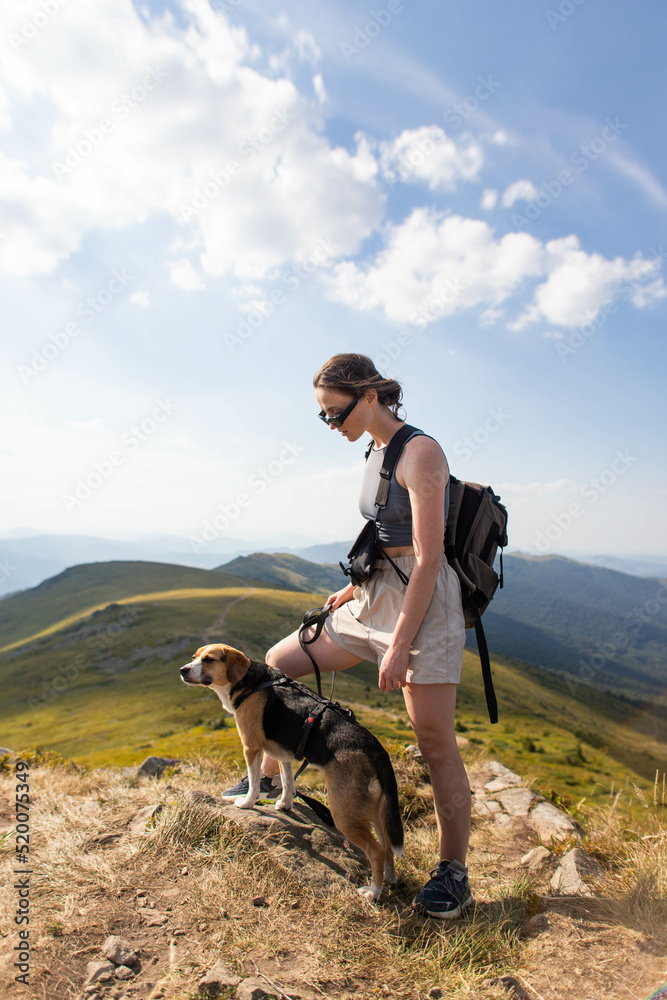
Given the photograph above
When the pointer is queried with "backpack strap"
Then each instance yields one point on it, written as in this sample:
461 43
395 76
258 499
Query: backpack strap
483 650
392 454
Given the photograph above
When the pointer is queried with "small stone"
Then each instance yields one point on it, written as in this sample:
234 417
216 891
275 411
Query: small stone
220 977
124 972
517 801
513 987
155 766
141 818
156 919
551 823
119 951
252 989
142 901
179 933
95 971
485 807
536 859
295 905
435 993
185 871
259 901
204 927
504 821
575 866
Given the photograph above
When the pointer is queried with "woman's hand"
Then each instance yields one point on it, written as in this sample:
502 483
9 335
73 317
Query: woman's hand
394 668
341 596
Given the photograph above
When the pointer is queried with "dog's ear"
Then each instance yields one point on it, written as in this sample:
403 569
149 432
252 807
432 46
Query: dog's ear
237 664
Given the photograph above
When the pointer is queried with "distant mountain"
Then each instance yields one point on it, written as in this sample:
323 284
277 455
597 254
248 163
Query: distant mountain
327 552
634 565
283 569
595 625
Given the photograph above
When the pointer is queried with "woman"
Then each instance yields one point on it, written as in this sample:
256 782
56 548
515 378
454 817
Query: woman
415 632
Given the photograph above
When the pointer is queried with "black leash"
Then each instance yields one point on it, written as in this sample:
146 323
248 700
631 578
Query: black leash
316 617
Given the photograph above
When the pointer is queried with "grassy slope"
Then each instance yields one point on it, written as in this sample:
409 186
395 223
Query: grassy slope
93 585
283 569
105 690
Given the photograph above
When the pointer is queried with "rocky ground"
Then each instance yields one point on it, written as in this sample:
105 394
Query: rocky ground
140 915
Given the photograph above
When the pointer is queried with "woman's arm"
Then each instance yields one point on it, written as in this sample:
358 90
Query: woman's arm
425 472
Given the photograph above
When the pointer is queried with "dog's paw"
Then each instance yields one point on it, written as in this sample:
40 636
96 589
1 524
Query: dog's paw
284 804
244 802
369 892
390 875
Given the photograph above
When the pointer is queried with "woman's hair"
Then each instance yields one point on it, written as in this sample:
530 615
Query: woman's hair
355 374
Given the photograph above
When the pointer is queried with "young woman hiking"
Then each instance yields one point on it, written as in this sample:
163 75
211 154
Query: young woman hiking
416 632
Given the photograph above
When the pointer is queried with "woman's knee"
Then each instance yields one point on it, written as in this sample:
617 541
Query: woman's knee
439 750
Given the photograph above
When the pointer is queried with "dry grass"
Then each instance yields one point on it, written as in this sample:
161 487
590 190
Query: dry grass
86 885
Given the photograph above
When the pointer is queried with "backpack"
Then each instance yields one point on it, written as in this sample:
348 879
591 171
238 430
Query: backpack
476 528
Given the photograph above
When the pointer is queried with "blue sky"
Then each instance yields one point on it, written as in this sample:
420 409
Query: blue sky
202 202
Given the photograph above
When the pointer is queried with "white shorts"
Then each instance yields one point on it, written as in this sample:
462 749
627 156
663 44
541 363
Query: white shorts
365 625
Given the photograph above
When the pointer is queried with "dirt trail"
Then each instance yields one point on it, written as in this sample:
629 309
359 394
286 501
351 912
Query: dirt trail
217 625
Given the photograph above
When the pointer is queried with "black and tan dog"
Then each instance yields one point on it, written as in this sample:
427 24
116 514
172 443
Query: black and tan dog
270 716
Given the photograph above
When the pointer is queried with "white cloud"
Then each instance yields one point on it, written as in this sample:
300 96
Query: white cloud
319 88
167 136
489 199
427 154
184 276
522 190
435 265
141 299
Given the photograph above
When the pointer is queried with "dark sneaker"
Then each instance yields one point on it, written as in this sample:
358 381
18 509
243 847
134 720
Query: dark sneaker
447 892
269 788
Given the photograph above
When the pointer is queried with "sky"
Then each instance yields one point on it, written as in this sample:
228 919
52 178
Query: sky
201 202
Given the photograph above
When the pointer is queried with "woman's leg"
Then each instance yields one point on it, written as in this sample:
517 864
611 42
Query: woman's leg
431 712
288 656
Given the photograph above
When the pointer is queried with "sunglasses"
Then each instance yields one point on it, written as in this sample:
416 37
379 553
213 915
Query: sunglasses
341 417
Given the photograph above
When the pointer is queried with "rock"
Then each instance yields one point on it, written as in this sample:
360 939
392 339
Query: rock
124 972
504 821
119 951
156 919
98 971
504 778
575 866
517 801
259 901
220 977
536 859
4 750
141 818
462 741
551 823
435 993
200 796
155 766
513 987
485 807
253 989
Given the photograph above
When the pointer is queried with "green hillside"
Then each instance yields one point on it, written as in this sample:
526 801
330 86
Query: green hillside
103 686
591 624
91 585
285 570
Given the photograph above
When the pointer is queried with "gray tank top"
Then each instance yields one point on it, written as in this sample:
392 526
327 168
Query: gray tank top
395 527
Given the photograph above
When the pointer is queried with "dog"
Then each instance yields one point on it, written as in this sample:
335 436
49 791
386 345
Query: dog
270 710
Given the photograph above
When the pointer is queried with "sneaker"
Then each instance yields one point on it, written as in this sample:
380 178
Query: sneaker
447 892
269 788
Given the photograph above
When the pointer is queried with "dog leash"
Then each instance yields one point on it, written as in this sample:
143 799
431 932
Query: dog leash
316 617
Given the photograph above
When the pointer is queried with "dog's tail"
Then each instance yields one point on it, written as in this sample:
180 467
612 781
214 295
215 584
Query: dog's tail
390 813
